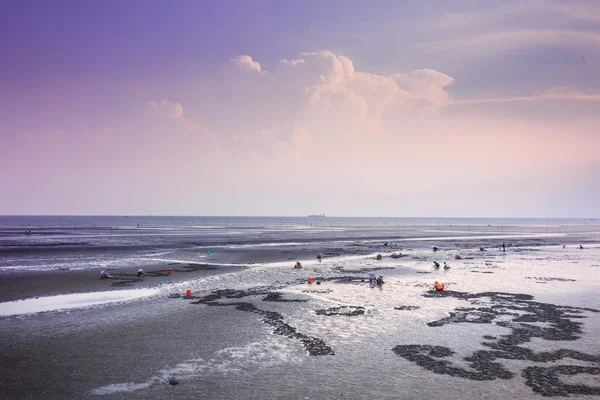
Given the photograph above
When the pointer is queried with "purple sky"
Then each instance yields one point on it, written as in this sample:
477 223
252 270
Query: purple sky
387 108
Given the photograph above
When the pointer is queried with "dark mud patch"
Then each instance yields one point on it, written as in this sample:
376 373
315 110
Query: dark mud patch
276 296
353 280
424 272
219 298
120 280
482 272
348 311
544 279
519 313
407 308
195 267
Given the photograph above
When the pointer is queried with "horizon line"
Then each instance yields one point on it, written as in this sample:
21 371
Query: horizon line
280 216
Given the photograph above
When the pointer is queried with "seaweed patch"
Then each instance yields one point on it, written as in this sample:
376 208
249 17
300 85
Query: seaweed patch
315 346
519 313
348 311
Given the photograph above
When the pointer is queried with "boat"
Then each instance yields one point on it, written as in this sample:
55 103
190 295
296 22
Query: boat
317 215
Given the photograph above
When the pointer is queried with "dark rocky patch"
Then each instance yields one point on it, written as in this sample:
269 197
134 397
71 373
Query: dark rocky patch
428 357
408 308
522 312
353 311
545 380
276 296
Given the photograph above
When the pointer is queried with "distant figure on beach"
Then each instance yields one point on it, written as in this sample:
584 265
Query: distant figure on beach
436 264
105 275
503 247
446 266
371 277
28 233
380 280
435 248
457 257
140 273
385 244
438 286
298 265
564 246
580 246
320 257
169 271
481 249
379 257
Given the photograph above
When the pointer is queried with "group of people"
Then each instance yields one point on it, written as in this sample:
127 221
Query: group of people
376 280
436 265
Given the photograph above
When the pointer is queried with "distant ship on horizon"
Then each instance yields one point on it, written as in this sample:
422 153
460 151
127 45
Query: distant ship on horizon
317 215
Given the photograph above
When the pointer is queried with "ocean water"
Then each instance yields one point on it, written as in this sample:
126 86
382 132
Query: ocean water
78 242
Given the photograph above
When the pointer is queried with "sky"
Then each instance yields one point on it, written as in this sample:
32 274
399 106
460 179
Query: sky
469 108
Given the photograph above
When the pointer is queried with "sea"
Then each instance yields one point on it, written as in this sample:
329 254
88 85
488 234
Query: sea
79 242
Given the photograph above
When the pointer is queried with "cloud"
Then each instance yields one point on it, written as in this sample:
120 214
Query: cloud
332 84
166 109
319 121
245 63
173 111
